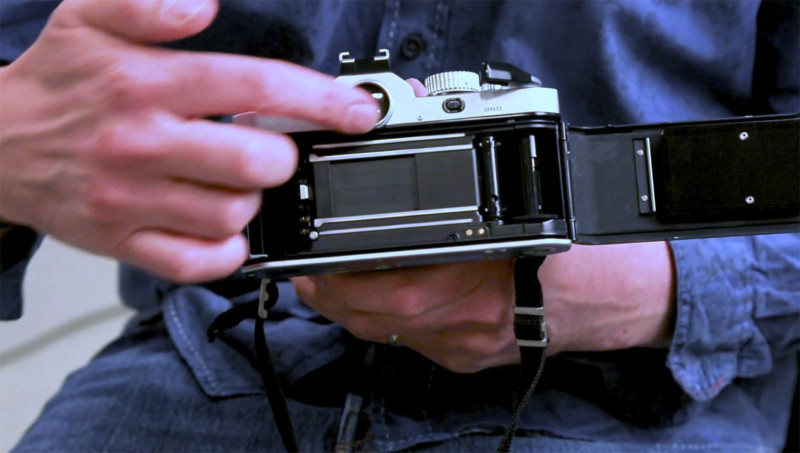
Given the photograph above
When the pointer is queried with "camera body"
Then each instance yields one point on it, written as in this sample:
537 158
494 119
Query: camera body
482 168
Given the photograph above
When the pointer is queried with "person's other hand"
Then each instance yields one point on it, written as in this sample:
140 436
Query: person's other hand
461 315
458 315
103 145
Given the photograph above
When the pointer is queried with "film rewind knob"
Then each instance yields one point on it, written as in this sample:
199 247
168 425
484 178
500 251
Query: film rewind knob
452 82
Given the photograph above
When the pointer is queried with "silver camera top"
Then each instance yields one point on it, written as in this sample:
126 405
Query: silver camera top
501 90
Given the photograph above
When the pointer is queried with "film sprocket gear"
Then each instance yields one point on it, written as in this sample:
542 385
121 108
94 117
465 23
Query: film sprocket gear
484 167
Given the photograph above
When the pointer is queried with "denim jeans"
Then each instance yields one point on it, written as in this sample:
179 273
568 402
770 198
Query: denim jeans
139 394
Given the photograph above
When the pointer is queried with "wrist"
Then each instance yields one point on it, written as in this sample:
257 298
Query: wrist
610 297
658 302
664 327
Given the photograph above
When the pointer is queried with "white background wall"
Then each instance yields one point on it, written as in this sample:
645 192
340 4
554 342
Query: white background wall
71 311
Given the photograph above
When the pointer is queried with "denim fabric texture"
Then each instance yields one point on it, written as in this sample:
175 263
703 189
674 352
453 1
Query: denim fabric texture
723 385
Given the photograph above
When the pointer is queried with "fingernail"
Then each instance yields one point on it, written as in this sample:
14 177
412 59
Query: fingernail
181 11
361 117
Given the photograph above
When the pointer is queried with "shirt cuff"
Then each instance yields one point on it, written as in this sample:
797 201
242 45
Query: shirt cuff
16 249
737 303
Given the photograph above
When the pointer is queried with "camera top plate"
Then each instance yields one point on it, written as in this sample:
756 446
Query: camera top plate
401 107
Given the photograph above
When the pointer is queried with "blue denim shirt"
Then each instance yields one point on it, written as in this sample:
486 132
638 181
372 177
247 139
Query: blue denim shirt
726 379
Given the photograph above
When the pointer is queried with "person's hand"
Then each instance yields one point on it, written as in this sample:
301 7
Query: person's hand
103 145
461 315
458 315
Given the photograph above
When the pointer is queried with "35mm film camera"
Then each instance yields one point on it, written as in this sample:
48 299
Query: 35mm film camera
484 167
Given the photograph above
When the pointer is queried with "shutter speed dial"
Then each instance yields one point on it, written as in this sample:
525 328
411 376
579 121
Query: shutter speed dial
493 77
452 82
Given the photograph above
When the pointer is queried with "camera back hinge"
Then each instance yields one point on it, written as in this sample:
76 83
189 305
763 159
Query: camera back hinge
569 213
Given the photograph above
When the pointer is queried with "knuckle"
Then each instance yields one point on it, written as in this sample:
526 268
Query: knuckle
202 71
111 141
122 85
486 347
498 315
245 166
285 164
409 300
105 202
131 9
235 214
67 15
183 267
265 163
330 104
118 142
267 97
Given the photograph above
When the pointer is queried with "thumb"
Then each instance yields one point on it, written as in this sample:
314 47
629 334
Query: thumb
139 20
419 89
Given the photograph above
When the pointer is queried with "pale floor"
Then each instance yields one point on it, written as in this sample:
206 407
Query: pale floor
71 310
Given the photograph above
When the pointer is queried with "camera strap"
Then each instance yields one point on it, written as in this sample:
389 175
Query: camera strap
529 329
268 297
531 333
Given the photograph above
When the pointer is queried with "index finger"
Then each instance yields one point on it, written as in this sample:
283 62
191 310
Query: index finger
138 20
199 84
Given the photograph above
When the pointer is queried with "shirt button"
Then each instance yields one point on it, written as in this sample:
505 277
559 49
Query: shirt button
412 46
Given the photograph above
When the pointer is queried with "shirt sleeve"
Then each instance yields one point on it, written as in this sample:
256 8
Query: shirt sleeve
738 308
16 249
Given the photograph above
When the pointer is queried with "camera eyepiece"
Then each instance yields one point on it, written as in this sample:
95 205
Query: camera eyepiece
380 94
